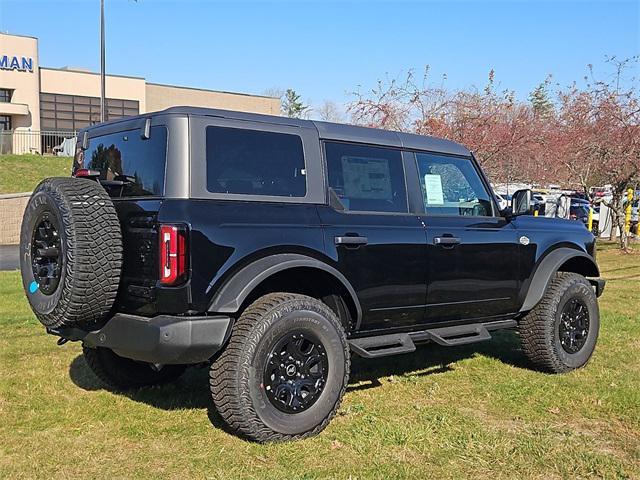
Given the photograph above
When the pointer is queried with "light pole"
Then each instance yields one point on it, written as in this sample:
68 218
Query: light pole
102 74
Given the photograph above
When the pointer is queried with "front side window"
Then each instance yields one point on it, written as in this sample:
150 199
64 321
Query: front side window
254 162
365 178
129 165
451 186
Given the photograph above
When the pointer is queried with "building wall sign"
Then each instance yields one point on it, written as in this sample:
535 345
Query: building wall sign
22 64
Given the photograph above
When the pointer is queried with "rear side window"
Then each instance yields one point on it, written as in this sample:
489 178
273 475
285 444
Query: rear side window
129 165
451 186
253 162
368 179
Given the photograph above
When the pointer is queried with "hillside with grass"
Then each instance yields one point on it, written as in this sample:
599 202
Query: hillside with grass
21 173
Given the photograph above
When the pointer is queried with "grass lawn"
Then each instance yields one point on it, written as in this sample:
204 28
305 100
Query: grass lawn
474 411
21 173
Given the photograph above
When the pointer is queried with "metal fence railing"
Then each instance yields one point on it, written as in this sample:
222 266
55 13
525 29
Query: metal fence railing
36 141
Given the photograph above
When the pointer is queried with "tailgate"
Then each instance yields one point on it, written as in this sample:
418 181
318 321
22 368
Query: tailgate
138 220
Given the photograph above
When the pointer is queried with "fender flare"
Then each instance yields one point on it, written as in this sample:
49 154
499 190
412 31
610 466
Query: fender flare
236 289
545 270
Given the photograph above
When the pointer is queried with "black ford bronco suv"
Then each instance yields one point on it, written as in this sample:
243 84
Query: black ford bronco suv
272 249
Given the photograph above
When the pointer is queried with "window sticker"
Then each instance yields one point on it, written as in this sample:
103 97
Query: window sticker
366 178
433 188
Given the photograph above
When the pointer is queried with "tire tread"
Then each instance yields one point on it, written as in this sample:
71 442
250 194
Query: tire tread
93 249
537 328
232 403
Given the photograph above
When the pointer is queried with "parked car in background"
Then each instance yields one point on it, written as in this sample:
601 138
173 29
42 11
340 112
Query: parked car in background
579 210
600 192
578 195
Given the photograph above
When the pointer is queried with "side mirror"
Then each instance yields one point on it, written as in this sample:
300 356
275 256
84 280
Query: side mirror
522 203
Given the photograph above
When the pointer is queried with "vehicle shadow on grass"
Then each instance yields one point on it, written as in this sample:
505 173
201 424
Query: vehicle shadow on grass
430 359
191 390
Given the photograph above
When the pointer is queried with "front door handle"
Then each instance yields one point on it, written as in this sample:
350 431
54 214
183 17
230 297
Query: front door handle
350 240
446 241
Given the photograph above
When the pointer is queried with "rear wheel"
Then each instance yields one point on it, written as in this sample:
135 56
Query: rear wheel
123 373
284 372
560 333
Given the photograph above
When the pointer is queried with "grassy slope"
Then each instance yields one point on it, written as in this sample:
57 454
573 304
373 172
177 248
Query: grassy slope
442 413
21 173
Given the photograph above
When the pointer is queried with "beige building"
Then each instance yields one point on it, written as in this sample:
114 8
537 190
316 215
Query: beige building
40 106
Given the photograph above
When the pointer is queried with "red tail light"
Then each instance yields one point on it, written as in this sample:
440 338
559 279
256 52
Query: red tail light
86 173
173 254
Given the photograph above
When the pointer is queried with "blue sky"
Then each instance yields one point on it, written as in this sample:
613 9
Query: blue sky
325 50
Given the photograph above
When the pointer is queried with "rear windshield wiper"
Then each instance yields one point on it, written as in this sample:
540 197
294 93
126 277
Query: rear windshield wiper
118 181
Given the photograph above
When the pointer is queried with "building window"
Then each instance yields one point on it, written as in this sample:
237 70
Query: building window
73 112
5 95
5 122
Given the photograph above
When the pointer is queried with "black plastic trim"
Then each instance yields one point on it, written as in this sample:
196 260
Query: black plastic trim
545 270
162 340
376 346
232 294
598 284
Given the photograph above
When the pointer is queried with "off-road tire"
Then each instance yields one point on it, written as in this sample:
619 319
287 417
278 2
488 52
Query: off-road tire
539 329
236 375
91 252
121 373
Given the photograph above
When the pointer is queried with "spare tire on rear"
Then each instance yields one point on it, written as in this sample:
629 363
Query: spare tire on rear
70 252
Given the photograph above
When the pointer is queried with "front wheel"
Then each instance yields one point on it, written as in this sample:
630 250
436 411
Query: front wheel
284 372
560 333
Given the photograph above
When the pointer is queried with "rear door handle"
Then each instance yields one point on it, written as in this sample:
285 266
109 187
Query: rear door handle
446 241
350 240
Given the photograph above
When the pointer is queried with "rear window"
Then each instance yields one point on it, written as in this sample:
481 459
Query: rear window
253 162
129 165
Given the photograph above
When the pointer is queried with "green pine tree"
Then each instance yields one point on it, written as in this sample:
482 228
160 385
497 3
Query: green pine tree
292 106
540 101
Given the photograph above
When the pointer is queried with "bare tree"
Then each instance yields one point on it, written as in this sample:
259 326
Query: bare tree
329 112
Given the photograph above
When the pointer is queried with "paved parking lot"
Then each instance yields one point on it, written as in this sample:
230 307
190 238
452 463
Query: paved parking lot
9 257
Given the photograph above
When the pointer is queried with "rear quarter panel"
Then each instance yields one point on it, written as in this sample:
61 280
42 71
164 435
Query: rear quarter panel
227 235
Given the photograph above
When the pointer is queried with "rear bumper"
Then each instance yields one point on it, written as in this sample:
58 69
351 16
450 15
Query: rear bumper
161 340
598 284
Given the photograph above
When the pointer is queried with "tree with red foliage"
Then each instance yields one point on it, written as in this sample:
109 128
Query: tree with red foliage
590 136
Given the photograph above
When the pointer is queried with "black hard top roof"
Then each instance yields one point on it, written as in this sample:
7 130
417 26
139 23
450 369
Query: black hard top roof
326 130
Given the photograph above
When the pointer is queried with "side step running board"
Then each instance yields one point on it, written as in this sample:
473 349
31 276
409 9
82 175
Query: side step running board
395 343
452 336
382 345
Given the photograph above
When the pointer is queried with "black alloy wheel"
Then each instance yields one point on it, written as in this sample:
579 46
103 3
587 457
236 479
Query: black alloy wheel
46 253
284 370
574 326
296 372
560 333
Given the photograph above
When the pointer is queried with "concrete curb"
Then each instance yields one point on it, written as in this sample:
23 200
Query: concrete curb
12 207
4 196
